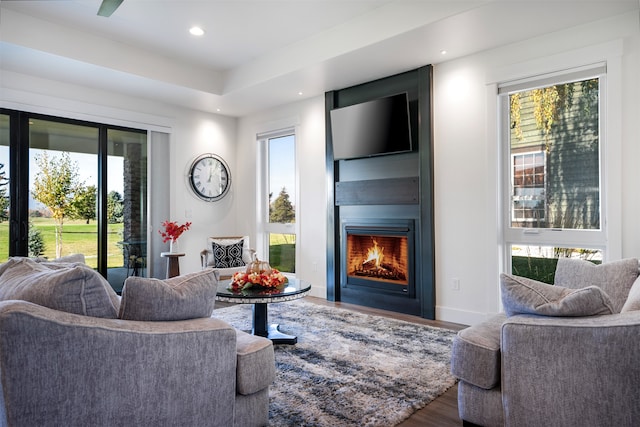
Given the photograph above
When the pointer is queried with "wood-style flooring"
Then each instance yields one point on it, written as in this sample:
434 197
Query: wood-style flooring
442 412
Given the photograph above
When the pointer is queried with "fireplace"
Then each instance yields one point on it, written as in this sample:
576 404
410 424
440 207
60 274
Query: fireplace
378 256
385 202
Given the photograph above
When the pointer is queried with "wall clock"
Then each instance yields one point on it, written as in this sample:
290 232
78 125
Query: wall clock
209 177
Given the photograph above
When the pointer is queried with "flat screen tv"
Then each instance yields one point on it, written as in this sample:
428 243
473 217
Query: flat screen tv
371 128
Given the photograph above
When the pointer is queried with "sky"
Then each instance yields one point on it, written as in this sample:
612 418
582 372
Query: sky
282 156
87 169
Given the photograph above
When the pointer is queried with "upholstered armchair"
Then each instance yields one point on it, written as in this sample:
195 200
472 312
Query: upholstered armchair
563 355
228 255
73 353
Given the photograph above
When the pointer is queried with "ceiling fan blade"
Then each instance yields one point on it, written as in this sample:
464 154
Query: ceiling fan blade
108 7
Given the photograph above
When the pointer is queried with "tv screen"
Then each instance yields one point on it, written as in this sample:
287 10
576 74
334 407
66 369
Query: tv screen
371 128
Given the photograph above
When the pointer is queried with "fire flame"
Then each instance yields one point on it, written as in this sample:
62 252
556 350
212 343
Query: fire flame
375 253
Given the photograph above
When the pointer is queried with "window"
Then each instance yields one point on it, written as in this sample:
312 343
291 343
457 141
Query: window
528 177
552 142
278 199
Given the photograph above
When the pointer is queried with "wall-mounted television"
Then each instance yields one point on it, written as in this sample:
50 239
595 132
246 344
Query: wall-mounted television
371 128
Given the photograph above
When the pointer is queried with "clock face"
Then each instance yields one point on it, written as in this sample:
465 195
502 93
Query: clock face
209 177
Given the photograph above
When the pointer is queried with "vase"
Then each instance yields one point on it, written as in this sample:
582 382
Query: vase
173 246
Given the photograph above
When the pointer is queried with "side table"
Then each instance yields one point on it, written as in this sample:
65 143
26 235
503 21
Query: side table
173 263
293 290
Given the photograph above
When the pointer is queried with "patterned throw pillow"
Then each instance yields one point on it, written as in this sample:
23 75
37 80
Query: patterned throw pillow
225 256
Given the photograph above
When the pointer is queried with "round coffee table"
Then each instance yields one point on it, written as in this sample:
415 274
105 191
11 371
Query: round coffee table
293 290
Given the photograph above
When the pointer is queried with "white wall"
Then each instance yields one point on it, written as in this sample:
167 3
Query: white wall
191 134
311 192
465 153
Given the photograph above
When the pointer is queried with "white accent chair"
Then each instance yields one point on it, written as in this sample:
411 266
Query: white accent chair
234 262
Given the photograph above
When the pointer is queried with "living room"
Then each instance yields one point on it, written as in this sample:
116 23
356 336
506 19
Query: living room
464 133
467 208
463 92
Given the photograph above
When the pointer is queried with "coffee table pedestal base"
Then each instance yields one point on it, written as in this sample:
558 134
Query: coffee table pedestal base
261 328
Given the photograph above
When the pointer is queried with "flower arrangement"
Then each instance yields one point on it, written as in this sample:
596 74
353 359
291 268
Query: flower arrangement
267 279
172 230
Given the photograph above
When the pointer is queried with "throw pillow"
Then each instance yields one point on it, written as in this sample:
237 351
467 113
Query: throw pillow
225 241
633 300
615 278
526 296
73 288
179 298
225 256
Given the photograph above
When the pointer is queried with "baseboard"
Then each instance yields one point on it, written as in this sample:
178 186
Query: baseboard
463 317
318 291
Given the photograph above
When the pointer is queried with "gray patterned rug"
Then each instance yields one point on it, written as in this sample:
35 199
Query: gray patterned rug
348 368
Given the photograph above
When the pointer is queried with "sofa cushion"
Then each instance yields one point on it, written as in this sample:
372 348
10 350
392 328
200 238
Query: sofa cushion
521 295
615 278
633 299
179 298
225 256
255 369
226 241
475 356
70 287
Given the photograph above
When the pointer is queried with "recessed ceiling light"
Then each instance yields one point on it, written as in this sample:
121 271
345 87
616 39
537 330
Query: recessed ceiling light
443 52
299 93
196 31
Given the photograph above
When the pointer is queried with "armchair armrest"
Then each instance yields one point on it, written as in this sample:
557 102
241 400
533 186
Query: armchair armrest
571 371
65 369
204 256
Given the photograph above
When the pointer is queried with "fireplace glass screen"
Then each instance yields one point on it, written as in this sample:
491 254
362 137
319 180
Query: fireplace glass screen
381 258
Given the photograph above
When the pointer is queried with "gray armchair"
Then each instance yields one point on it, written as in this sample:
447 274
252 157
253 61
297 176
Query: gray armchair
73 353
535 370
59 368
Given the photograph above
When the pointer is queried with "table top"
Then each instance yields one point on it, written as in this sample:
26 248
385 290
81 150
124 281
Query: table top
292 290
172 254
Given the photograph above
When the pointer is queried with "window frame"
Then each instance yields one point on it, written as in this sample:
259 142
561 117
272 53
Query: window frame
19 153
514 218
567 238
264 226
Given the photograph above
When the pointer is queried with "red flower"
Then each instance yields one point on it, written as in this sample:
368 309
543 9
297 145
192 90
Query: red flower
172 230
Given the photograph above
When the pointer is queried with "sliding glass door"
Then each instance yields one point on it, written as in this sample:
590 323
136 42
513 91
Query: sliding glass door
4 188
74 187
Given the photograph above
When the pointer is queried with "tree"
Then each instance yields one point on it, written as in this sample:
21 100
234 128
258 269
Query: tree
83 205
4 199
55 187
281 210
36 242
115 208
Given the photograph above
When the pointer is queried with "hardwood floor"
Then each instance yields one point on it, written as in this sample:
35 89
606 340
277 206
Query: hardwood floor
442 412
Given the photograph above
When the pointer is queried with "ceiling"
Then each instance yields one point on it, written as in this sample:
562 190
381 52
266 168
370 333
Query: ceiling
256 54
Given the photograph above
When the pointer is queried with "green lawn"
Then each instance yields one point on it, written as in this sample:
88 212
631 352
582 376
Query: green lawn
282 252
77 237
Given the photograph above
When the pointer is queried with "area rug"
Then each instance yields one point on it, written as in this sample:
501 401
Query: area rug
348 368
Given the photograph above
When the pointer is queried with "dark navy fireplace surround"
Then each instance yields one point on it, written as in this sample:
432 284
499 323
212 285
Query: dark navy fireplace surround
385 191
